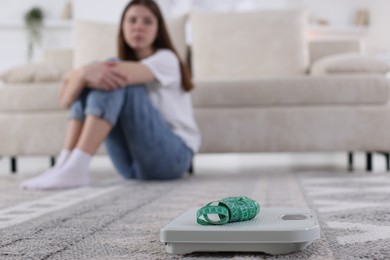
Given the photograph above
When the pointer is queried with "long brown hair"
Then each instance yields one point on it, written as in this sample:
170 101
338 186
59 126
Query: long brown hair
162 41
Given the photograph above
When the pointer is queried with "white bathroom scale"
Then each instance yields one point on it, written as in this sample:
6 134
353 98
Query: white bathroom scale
273 231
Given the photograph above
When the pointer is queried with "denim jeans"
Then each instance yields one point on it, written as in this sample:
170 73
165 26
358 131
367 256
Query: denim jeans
141 145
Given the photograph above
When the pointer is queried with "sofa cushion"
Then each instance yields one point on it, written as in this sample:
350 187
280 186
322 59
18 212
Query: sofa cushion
91 46
34 72
292 90
322 48
349 63
61 58
30 97
239 45
89 43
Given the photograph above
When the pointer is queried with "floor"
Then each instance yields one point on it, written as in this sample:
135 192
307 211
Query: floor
121 220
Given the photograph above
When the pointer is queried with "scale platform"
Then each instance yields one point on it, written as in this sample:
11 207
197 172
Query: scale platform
273 231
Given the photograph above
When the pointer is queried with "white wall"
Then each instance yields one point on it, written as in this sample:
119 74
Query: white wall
15 9
99 10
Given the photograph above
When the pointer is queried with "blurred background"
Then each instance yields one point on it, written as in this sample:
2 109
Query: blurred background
364 19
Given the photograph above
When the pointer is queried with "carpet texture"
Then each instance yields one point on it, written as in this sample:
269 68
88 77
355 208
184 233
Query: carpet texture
115 219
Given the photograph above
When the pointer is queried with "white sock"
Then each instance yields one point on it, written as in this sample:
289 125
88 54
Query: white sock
61 159
73 173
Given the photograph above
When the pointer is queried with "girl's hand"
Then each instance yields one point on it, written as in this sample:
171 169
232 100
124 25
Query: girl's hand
103 76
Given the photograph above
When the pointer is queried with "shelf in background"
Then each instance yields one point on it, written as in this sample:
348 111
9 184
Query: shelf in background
339 29
329 31
18 24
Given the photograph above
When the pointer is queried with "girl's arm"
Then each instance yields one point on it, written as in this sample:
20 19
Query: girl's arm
72 86
106 76
135 72
103 76
98 76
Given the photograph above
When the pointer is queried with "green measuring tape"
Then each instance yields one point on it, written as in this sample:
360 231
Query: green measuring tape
231 209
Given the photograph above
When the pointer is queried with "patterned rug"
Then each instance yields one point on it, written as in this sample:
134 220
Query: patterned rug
114 219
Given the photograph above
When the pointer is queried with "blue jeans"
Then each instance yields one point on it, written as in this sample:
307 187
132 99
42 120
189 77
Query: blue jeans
141 145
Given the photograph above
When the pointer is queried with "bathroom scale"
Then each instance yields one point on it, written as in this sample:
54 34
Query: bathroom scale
273 231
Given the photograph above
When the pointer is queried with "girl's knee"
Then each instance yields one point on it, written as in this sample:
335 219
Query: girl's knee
97 94
104 97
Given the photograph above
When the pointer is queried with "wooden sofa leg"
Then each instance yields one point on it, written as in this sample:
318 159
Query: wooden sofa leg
191 169
368 161
387 155
350 161
52 161
14 167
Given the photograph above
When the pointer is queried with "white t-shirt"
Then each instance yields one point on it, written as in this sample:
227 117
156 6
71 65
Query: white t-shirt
169 98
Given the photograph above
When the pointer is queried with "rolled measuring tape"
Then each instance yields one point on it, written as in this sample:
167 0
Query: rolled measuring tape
231 209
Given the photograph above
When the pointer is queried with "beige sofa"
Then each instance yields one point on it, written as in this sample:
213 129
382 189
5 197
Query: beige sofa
261 86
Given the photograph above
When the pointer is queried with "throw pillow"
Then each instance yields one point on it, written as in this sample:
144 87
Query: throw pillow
97 41
39 72
93 41
249 44
349 63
